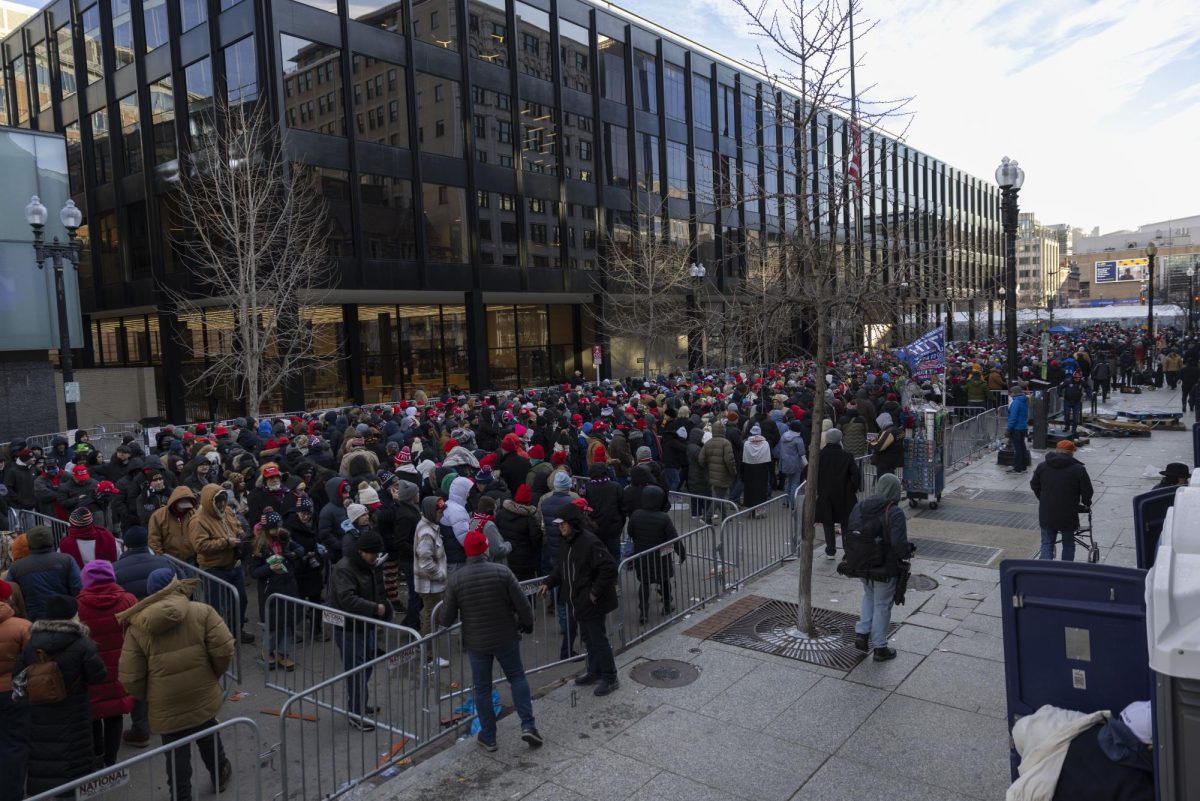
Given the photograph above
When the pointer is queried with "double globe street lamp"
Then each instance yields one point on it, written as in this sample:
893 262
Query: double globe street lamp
1010 177
36 215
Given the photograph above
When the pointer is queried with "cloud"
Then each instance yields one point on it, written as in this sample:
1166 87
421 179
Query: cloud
1098 99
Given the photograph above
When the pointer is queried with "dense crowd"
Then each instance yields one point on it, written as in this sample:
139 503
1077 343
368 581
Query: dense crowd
385 511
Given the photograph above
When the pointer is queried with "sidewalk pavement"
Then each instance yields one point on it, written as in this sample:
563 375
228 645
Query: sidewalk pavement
927 726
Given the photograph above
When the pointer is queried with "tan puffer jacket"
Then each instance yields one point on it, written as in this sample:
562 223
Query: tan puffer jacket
14 636
175 652
168 530
215 538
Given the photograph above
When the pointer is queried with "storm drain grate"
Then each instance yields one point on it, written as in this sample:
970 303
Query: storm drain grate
771 629
922 583
942 551
982 517
993 496
665 673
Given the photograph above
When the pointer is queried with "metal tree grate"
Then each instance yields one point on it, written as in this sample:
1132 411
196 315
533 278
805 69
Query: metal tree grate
771 629
942 551
922 583
666 673
982 517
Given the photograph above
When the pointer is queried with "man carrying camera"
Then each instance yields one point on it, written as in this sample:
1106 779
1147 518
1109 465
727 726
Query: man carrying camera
494 613
876 545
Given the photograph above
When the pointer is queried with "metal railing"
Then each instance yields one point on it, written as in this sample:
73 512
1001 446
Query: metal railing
320 627
691 512
869 474
756 540
966 440
222 596
665 583
25 519
147 776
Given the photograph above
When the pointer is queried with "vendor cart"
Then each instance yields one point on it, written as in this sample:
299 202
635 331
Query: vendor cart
924 470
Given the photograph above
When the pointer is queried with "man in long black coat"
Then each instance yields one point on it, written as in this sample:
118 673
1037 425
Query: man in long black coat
838 480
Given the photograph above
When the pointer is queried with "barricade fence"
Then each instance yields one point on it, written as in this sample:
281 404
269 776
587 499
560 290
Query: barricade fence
756 540
162 772
222 596
868 474
966 440
661 585
25 519
321 631
691 512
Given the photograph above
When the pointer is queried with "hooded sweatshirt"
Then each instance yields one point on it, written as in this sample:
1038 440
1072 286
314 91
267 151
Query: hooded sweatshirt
215 537
168 526
98 607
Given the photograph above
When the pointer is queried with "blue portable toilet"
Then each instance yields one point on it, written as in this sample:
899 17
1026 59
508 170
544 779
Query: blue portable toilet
1074 637
1149 512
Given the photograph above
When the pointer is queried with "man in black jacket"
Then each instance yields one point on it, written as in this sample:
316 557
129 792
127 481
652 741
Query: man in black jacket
604 496
494 614
18 477
588 576
1073 393
838 480
358 589
1062 485
397 523
674 457
649 528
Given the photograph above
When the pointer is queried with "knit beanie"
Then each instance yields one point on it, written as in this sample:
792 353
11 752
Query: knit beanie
60 607
81 517
41 538
136 537
97 571
562 481
159 579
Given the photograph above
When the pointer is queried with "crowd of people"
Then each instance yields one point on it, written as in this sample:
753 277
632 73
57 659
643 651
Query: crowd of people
383 512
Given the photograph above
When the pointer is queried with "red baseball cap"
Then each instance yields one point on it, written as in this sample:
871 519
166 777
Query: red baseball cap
270 470
80 471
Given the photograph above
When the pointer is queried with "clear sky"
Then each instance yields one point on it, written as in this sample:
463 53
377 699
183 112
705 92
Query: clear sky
1099 100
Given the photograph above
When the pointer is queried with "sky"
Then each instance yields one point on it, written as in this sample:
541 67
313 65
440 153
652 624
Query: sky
1099 100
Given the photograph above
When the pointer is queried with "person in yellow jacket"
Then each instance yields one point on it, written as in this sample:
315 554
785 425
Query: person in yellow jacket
216 536
174 653
168 525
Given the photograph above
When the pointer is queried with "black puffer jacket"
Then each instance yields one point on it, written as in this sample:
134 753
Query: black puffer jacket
518 525
1062 485
493 608
588 576
604 496
133 569
650 527
60 735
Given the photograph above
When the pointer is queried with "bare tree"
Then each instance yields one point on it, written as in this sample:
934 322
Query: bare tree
254 231
825 280
646 275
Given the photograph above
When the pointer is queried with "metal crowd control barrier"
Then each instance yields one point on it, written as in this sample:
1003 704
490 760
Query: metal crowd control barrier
25 519
757 539
222 596
868 473
147 775
691 512
966 440
320 628
659 586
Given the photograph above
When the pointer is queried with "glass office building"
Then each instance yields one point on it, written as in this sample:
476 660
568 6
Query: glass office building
473 155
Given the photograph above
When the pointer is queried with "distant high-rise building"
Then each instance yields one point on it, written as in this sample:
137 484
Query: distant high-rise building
12 15
1038 277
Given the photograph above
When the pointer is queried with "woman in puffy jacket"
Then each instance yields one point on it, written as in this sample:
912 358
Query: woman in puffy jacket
100 600
517 521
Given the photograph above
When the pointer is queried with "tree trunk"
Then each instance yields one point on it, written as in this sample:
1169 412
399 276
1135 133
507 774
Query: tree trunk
804 609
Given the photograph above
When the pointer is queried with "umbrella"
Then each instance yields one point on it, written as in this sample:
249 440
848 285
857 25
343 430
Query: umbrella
1062 329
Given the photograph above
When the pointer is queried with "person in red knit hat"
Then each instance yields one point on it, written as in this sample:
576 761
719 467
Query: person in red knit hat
85 541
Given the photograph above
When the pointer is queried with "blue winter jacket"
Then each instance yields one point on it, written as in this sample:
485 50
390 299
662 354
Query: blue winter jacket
42 574
133 569
1018 413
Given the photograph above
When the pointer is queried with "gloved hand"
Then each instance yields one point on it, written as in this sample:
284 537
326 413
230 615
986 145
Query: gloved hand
321 549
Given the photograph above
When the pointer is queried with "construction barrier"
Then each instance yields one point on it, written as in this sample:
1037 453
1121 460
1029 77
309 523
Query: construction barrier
158 771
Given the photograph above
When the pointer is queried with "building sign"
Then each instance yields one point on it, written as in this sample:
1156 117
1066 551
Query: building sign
597 354
1115 271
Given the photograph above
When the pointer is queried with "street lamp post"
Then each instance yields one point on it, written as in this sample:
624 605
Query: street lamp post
1151 252
1010 177
72 218
696 336
1191 274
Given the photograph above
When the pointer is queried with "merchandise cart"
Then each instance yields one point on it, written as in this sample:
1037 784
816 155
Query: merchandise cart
924 470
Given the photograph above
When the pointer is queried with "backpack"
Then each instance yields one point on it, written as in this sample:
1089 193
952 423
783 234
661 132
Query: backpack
867 548
42 682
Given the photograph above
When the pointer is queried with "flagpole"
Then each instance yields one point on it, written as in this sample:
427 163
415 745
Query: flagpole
856 156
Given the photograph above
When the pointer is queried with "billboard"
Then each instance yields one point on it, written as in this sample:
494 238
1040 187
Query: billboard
34 164
1109 272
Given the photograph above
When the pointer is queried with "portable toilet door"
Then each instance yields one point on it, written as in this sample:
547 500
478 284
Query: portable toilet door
1074 637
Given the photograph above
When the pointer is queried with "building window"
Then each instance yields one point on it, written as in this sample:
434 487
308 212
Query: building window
645 83
677 182
90 20
21 96
162 112
701 102
101 148
66 61
122 25
674 92
131 134
445 223
389 230
192 13
74 157
307 62
41 75
198 89
648 168
240 71
154 16
616 154
612 69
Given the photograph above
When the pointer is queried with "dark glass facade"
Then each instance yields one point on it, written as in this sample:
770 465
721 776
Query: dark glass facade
472 153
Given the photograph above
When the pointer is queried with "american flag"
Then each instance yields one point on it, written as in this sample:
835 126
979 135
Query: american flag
854 171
